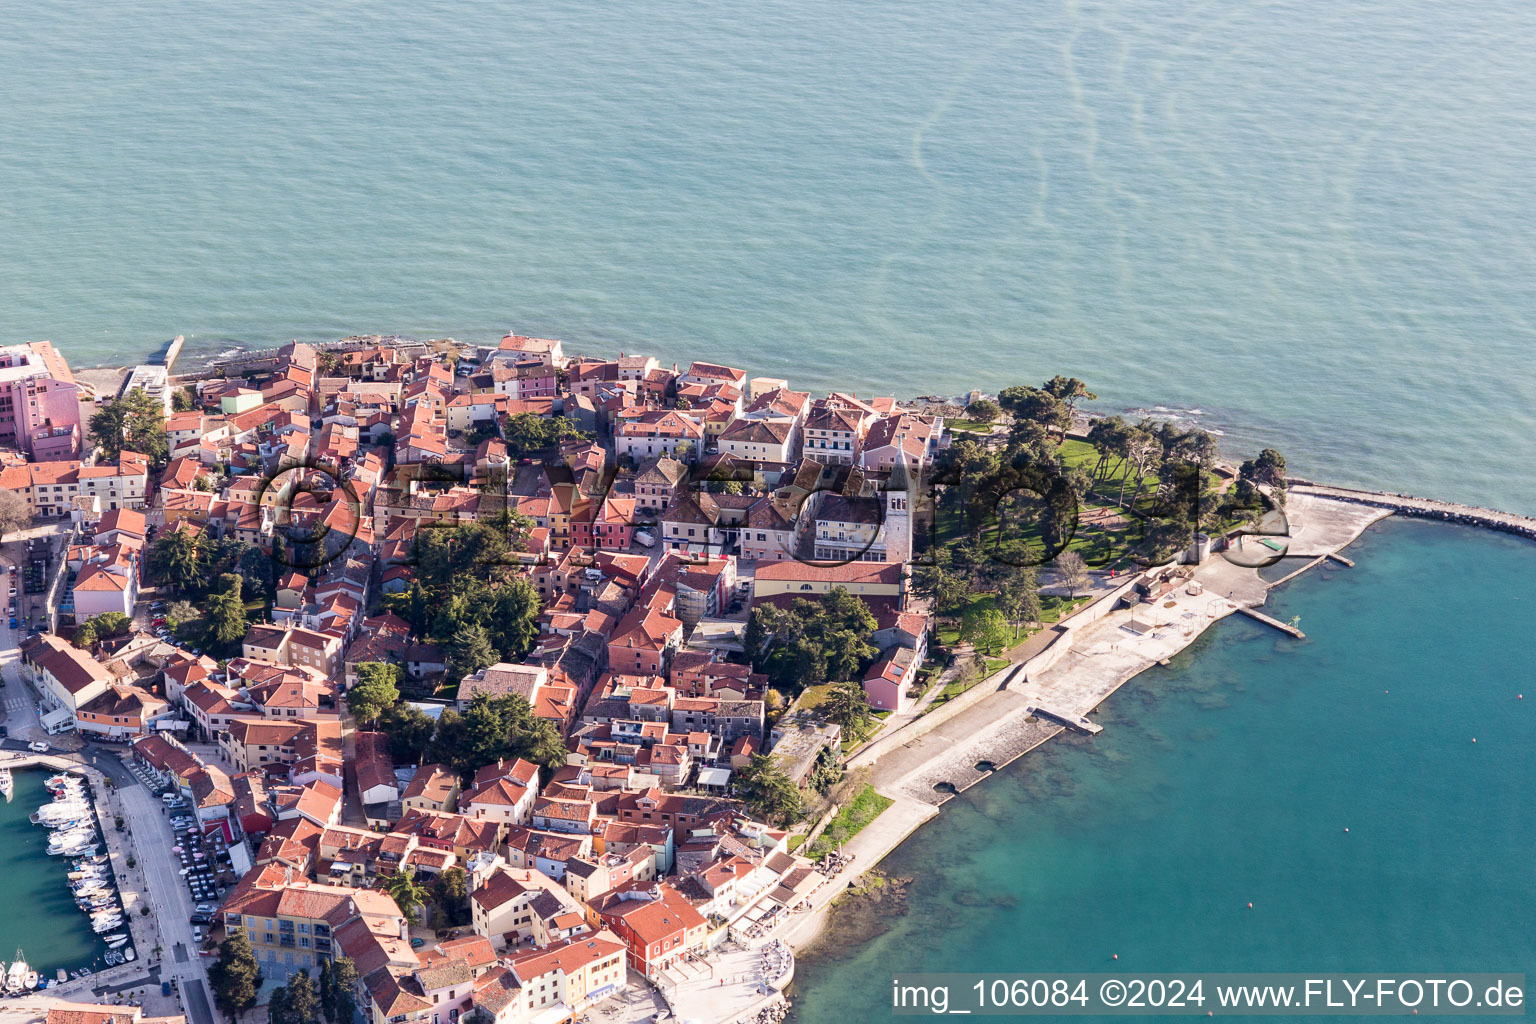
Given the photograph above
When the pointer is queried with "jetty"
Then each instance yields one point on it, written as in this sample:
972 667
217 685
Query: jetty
172 351
1269 620
1424 508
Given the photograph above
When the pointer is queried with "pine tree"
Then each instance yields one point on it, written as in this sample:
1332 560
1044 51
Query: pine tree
235 976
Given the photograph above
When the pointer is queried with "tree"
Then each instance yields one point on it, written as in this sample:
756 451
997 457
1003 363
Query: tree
768 790
514 618
378 687
177 558
134 421
1142 448
469 651
110 624
1018 596
296 1002
1268 468
451 893
986 629
409 731
1068 391
183 400
14 512
85 636
409 895
983 411
1037 406
1072 570
179 613
847 706
527 432
341 1004
235 976
944 588
226 614
811 641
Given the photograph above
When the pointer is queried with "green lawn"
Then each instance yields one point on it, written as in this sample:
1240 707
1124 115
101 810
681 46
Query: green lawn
968 426
849 822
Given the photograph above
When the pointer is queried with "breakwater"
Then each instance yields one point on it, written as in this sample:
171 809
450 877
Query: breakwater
1424 508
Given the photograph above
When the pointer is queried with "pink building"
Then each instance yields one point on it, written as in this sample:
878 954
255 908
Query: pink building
39 402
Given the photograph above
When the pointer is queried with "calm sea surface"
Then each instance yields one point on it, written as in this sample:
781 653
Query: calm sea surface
1296 221
1230 776
42 919
1310 220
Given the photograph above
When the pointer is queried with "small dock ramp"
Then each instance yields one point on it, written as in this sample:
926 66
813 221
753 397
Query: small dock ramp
1071 721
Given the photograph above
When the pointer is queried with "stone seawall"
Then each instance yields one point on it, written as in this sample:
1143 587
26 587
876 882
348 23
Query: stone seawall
1425 508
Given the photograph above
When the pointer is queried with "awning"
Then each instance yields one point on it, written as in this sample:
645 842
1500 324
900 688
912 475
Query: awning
714 777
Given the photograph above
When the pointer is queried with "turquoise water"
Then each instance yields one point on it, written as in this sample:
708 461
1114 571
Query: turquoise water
1310 220
1230 776
43 920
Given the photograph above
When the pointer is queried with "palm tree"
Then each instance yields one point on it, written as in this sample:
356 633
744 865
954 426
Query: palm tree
409 895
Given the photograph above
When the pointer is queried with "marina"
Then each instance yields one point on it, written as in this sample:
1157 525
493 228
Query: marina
52 853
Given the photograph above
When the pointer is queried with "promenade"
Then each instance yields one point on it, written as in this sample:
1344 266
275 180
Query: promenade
1103 650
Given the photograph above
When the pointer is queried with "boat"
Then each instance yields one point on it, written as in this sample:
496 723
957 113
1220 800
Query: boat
7 783
129 954
16 977
119 935
31 980
61 977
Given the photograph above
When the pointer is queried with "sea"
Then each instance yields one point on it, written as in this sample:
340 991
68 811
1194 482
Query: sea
1300 223
1333 783
45 926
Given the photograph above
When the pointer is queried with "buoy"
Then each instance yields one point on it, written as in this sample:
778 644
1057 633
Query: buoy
1474 739
1520 695
1346 830
1117 956
1250 906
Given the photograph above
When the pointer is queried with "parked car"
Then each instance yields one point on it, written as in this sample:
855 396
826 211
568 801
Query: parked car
38 747
165 988
200 919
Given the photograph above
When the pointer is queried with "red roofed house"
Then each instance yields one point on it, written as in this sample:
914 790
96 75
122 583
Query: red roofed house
656 924
643 641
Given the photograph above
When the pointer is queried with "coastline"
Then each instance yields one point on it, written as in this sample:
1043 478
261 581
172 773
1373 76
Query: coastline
1086 663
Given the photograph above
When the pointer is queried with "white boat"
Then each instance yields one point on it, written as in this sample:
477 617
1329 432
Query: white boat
129 954
16 977
7 784
31 980
119 935
118 944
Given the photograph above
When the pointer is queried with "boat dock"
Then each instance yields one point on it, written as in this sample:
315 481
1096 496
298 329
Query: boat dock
1292 575
1269 620
1341 559
172 351
1079 723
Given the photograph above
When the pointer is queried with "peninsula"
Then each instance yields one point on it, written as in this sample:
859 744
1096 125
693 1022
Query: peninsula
427 679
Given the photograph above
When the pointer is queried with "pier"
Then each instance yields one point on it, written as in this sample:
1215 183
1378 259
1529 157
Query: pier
1292 575
1079 723
1269 620
172 351
1341 559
